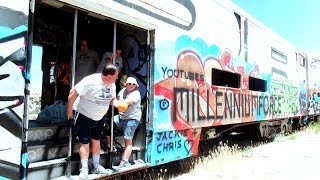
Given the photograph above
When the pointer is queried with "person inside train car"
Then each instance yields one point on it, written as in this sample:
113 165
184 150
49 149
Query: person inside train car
128 118
88 102
87 61
118 60
107 58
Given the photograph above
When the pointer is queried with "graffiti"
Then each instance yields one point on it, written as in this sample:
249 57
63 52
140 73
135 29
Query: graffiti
188 99
170 141
314 103
186 81
135 61
13 38
164 104
41 153
233 104
41 135
170 146
179 73
288 93
282 88
315 63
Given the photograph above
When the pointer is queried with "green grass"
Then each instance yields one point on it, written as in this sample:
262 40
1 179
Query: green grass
314 127
293 136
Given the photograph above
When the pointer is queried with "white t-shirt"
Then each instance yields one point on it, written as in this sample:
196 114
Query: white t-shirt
134 110
94 96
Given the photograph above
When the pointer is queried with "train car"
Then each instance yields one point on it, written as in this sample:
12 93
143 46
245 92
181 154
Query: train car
204 69
313 85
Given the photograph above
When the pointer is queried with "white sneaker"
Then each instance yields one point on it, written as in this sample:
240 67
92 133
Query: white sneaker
83 173
124 164
101 170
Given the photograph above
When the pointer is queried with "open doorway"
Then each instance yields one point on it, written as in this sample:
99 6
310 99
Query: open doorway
54 32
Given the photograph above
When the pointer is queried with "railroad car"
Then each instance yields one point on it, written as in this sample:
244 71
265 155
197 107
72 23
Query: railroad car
204 69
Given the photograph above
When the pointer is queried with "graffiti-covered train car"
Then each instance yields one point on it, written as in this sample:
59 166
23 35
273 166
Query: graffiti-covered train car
203 68
313 84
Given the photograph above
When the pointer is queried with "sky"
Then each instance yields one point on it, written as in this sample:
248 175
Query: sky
297 21
36 70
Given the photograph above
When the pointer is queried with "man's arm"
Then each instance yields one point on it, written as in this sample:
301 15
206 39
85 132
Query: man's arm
115 102
71 99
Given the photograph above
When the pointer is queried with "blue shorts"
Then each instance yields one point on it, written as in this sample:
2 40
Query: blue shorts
87 129
128 126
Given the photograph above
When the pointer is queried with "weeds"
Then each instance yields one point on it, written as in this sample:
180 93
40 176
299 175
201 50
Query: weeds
313 127
222 160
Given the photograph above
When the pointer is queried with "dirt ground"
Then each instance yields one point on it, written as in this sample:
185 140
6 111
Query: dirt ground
296 156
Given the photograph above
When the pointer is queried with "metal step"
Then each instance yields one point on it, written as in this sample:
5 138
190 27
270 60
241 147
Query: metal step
136 166
47 169
49 151
45 132
57 168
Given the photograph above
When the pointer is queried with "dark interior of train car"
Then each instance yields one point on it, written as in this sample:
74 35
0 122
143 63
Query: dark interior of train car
51 70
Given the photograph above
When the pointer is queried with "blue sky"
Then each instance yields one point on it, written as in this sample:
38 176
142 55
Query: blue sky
36 70
297 21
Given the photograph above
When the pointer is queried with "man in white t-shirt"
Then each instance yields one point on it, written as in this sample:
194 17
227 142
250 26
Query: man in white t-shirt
90 99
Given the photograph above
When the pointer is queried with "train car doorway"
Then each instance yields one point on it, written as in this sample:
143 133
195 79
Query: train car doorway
55 36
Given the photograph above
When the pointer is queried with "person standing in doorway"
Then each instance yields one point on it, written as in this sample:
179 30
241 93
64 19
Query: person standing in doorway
87 61
88 102
129 119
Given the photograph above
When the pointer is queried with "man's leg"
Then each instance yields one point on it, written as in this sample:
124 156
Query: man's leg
84 151
95 150
84 155
83 132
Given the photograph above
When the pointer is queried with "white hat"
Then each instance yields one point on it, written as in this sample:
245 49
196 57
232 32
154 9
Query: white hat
132 80
106 55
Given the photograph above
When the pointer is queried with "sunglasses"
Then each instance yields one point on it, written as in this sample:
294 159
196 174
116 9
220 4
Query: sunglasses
131 84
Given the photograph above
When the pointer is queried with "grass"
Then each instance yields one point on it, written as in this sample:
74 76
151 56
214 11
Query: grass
293 136
227 160
313 127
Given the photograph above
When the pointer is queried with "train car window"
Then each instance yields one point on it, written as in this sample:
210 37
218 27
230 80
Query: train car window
256 84
302 60
225 78
278 56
